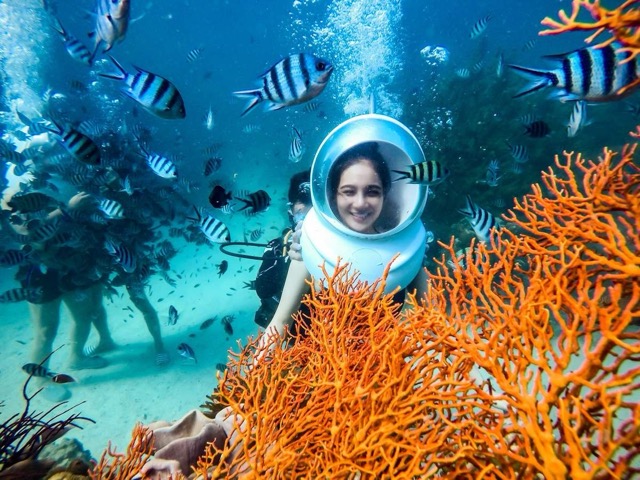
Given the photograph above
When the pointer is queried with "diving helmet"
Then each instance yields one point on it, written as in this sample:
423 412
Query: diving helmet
325 238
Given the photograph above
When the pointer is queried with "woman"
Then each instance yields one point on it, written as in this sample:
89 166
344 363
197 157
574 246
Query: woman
359 182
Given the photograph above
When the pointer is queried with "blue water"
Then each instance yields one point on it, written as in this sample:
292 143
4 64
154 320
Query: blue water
375 46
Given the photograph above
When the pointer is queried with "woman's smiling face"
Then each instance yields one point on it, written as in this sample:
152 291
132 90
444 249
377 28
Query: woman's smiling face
360 196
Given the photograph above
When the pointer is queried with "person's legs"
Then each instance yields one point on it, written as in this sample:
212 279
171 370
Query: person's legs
84 305
46 319
99 321
140 300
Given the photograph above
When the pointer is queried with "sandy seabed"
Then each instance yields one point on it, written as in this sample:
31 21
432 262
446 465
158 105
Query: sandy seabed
132 388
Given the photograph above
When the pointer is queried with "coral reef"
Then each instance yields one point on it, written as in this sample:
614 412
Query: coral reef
523 364
622 23
24 436
520 362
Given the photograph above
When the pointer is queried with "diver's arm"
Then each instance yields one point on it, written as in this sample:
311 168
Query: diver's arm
295 286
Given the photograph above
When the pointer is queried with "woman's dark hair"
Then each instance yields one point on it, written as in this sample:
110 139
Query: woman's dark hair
300 188
368 151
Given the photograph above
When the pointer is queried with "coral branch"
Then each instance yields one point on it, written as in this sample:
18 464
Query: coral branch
119 466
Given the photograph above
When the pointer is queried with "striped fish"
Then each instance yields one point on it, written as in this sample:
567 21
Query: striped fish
161 166
30 202
21 294
194 54
429 172
112 21
519 153
212 165
481 220
479 27
111 208
256 202
37 370
78 51
213 229
80 146
122 254
296 149
155 93
11 258
44 232
293 80
595 74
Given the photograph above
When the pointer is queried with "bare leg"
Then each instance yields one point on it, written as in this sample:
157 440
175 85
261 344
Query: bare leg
99 320
46 319
140 300
84 305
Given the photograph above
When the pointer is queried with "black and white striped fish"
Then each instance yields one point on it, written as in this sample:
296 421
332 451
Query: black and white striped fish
112 21
111 208
591 73
30 202
44 231
122 254
155 93
194 54
295 79
296 148
520 153
481 220
429 172
161 165
463 72
11 258
479 27
21 294
213 229
212 165
76 49
37 370
80 146
256 202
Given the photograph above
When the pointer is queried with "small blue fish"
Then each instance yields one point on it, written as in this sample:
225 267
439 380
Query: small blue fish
187 352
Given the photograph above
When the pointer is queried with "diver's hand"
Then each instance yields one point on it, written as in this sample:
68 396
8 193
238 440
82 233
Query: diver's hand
77 200
295 250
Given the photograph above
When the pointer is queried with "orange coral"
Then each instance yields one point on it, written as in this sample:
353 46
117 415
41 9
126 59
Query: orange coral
120 466
623 23
523 364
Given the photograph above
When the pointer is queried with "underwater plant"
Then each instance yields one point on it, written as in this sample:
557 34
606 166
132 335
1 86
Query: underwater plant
24 435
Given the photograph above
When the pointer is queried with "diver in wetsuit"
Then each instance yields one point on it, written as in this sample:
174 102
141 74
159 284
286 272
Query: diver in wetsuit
275 260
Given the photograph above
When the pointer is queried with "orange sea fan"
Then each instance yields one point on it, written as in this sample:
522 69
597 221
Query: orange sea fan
523 364
123 466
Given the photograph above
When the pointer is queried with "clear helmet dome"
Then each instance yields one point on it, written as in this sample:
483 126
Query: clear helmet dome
404 202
